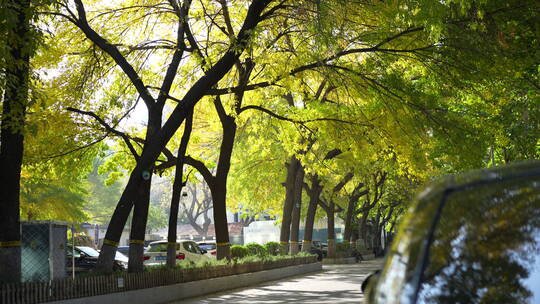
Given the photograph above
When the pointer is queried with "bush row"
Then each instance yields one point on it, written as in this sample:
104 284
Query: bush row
254 249
235 261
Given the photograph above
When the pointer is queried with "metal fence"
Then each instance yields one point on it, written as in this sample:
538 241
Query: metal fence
43 250
56 290
35 251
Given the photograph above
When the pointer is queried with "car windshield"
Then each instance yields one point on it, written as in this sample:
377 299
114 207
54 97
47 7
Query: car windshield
89 251
484 249
207 247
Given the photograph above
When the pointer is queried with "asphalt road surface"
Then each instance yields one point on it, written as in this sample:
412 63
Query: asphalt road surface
335 284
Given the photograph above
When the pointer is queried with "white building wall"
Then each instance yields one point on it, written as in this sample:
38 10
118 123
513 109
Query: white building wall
261 232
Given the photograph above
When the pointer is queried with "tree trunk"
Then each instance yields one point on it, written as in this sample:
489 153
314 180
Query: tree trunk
331 230
314 193
351 209
157 143
177 192
11 143
142 202
352 212
138 228
288 205
219 189
363 232
297 204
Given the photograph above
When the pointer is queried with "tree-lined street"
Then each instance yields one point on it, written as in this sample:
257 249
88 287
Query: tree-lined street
127 118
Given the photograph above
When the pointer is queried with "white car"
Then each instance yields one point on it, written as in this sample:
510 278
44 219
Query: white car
185 251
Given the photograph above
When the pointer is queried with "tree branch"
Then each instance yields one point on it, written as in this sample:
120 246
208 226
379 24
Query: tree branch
109 129
115 54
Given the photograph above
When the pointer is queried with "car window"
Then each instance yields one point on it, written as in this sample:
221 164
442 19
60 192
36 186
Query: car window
72 253
484 249
191 247
158 247
208 247
198 249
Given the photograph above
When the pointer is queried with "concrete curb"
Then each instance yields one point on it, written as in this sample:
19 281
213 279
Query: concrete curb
169 293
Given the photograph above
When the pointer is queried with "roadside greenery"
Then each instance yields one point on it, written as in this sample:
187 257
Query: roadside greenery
261 258
272 248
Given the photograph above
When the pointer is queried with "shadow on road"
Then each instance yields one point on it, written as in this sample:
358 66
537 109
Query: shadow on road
335 284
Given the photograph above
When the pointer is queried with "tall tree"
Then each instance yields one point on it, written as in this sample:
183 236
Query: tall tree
159 134
15 82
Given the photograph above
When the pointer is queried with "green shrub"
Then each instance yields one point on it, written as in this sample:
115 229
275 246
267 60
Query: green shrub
272 248
238 251
305 254
256 249
343 247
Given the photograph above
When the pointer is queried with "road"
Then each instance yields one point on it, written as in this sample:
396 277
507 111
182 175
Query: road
335 284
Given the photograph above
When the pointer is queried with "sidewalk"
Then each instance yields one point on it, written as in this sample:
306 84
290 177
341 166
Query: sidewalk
335 284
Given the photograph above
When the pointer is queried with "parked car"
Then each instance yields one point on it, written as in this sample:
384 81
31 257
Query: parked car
209 246
85 259
185 251
323 247
121 258
315 250
472 238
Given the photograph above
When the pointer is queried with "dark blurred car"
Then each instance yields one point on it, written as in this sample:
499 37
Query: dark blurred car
472 238
323 247
86 259
315 250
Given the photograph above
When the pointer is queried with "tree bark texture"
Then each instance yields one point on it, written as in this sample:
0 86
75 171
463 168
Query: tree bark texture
288 205
219 193
331 230
297 204
351 211
138 227
157 143
142 201
177 192
15 101
313 193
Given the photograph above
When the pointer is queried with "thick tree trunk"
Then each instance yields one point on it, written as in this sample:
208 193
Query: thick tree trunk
177 192
314 193
15 101
348 221
138 228
352 212
297 204
288 205
154 146
219 192
331 230
142 202
363 231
